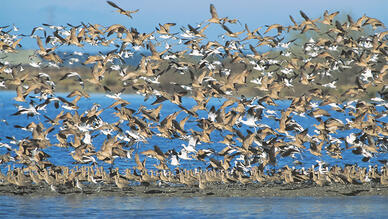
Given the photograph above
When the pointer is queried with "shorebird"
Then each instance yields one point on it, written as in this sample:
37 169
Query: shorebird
113 95
68 105
153 115
252 117
72 74
201 182
328 18
120 182
155 153
30 112
216 71
80 156
21 95
316 147
155 55
165 28
230 33
140 165
122 11
214 15
278 27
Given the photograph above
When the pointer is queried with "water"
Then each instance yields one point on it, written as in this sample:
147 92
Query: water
78 206
61 156
175 207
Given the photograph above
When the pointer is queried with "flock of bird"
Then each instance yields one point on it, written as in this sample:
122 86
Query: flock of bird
63 179
270 61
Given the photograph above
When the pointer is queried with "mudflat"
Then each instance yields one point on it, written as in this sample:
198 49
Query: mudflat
216 190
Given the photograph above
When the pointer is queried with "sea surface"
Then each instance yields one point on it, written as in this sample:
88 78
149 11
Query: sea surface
79 206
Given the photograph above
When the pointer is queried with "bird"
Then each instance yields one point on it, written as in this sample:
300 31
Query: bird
140 165
122 11
230 33
198 129
213 12
165 28
155 153
328 18
120 181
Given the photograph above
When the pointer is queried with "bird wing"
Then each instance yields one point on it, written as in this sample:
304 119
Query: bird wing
40 44
213 11
137 160
304 15
114 5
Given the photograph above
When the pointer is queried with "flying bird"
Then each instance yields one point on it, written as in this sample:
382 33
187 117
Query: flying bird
214 14
122 11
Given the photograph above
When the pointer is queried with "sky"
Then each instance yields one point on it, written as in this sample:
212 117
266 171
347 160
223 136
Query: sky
26 14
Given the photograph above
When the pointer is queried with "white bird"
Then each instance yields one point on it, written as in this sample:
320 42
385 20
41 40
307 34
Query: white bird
5 145
31 111
53 188
251 119
87 138
189 148
2 84
35 64
183 154
350 139
78 184
71 74
136 136
175 160
78 53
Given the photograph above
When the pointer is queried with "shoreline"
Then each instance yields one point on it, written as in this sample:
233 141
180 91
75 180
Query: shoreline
214 190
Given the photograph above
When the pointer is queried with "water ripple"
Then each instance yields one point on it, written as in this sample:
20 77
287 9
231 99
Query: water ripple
80 206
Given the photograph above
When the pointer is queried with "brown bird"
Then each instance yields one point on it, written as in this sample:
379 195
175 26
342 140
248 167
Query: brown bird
328 18
230 33
122 11
140 165
156 153
279 28
214 14
120 181
165 28
316 148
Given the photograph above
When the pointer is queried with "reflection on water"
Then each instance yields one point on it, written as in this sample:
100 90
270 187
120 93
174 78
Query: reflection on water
198 207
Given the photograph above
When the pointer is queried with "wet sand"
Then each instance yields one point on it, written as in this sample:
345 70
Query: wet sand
214 190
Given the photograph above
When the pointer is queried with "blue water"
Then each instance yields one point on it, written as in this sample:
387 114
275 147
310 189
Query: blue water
61 156
79 206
